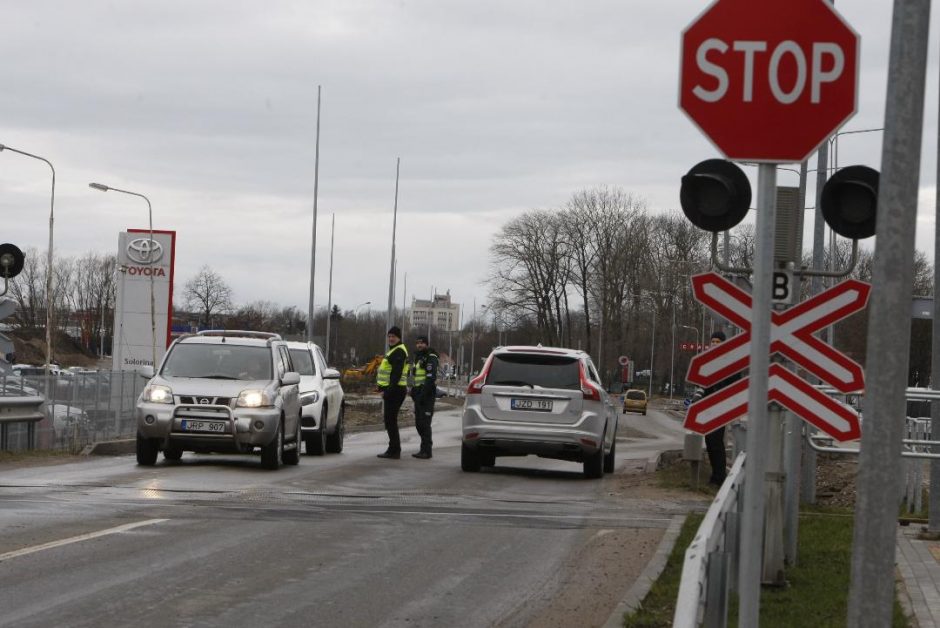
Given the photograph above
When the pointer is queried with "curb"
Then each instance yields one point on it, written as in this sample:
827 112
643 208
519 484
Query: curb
634 596
111 448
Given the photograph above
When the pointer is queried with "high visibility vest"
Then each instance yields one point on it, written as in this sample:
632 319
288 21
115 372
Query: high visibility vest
421 373
385 369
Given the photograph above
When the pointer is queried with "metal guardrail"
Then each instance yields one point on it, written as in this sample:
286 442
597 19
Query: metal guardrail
77 409
710 571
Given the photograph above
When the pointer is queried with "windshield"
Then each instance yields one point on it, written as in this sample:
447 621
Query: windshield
218 361
636 395
535 370
303 361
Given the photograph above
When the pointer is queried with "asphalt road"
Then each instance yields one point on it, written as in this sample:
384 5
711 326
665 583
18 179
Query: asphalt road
340 540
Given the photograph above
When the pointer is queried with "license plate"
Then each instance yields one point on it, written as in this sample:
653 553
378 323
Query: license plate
538 405
188 425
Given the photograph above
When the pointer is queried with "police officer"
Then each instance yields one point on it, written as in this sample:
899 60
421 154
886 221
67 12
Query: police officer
423 392
715 440
392 381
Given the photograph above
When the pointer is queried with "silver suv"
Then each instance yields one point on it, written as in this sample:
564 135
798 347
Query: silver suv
543 401
222 391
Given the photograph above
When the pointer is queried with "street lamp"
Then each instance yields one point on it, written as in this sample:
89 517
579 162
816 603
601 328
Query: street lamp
356 311
48 258
473 333
153 310
652 343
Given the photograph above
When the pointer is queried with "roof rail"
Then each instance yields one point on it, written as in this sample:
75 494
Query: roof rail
239 333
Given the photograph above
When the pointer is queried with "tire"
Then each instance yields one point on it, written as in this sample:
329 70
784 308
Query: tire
316 441
610 460
171 452
487 459
146 451
334 441
644 413
292 456
469 459
272 454
594 464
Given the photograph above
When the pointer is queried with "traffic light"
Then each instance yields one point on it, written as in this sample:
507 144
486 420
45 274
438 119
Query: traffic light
11 260
715 195
849 202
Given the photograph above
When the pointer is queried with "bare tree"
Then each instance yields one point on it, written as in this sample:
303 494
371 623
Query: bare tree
208 295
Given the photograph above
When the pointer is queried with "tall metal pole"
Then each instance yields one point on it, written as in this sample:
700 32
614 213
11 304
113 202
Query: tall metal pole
752 521
933 516
313 237
473 334
871 595
431 314
391 276
652 349
404 298
672 360
329 302
49 264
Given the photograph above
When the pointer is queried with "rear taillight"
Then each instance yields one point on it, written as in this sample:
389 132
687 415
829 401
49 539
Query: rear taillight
588 389
475 387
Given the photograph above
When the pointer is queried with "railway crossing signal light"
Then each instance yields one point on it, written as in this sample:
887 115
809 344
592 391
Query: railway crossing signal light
11 260
715 195
849 202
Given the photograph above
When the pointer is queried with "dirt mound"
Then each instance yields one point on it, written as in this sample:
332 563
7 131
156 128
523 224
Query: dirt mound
30 348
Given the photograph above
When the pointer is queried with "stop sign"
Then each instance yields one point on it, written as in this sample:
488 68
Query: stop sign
769 81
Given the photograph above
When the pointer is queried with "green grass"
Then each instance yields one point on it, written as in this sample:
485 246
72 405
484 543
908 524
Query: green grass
817 591
33 454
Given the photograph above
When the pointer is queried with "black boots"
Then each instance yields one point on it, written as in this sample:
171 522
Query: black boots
393 455
422 455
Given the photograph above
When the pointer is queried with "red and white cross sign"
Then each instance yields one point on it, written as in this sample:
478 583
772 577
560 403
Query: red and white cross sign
791 335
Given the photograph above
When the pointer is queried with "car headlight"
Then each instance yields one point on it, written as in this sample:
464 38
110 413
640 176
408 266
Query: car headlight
307 398
158 394
254 399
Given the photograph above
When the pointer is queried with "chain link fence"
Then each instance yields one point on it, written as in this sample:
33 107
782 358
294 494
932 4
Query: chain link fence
79 409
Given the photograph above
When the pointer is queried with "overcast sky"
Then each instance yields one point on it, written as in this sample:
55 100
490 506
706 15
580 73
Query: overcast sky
495 107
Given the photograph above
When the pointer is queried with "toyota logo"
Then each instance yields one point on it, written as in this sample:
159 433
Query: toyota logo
203 402
138 250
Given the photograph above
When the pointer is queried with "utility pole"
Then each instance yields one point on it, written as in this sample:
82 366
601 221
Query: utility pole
391 272
313 238
329 303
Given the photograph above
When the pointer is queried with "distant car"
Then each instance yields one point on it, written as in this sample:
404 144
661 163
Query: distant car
222 391
322 425
543 401
634 400
66 419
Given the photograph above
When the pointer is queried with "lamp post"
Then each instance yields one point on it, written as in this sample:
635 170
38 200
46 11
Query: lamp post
473 333
356 311
153 310
49 269
652 342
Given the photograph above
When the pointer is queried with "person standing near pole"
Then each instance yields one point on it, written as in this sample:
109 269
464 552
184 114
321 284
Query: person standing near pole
715 440
424 393
392 382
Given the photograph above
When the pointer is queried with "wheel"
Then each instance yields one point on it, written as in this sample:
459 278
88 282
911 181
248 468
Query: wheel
146 451
316 441
334 441
469 459
594 464
272 454
610 458
292 456
644 413
624 411
171 452
487 459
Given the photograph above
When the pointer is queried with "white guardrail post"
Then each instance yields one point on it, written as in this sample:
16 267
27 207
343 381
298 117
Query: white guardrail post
709 572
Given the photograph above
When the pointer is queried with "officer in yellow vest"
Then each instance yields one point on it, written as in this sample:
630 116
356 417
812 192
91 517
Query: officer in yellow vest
392 381
424 392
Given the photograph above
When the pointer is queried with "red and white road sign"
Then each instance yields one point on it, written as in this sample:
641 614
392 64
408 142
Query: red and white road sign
791 335
769 81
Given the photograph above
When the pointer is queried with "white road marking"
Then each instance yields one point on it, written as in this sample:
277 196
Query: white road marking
75 539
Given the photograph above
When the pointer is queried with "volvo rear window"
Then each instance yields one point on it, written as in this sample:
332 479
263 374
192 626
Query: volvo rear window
535 370
636 395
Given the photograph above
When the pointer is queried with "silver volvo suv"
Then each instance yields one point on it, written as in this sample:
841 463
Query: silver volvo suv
222 391
539 400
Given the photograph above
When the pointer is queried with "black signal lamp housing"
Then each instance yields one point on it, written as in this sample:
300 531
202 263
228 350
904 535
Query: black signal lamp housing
715 195
849 202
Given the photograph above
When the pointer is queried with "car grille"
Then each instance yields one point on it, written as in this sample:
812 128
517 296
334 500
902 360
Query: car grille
205 401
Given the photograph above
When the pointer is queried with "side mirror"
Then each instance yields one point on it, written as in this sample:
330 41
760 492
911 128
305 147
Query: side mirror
715 195
331 374
146 371
290 378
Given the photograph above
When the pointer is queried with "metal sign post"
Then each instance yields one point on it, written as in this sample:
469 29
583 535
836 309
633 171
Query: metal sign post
871 595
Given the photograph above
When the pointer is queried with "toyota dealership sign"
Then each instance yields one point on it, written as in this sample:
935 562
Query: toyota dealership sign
769 81
140 262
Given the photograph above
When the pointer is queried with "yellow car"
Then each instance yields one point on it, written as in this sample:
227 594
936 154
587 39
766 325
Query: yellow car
634 400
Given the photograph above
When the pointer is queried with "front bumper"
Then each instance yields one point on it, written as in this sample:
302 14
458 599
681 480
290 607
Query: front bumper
310 416
245 428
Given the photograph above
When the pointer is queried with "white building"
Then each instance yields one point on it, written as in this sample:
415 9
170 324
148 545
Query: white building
444 315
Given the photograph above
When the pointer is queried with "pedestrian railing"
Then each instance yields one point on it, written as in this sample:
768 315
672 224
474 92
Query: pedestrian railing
709 572
77 409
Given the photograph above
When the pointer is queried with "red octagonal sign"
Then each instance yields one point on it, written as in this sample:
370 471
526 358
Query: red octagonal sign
770 80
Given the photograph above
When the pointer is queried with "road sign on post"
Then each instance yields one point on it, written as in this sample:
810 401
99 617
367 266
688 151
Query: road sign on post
769 81
791 335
